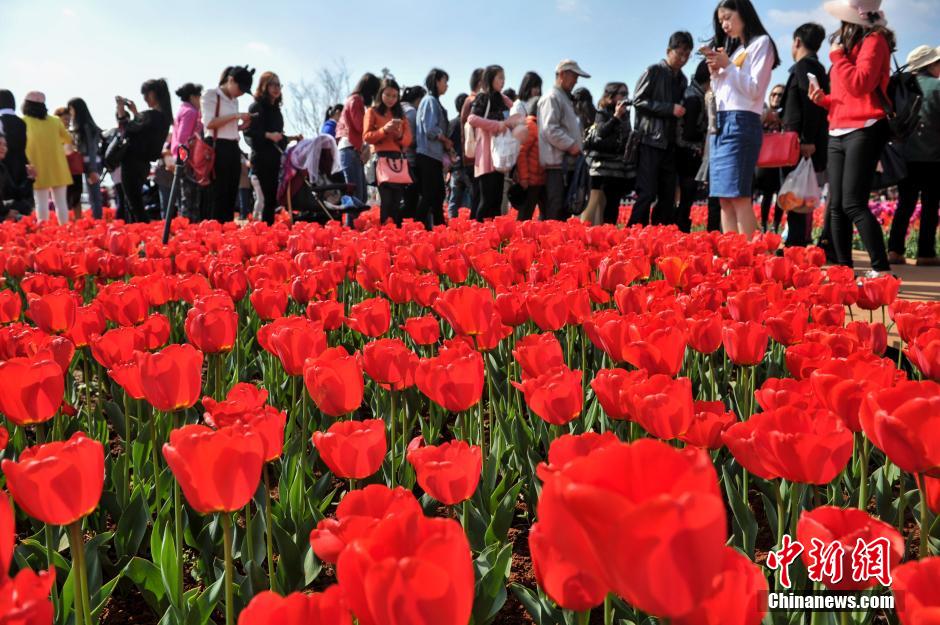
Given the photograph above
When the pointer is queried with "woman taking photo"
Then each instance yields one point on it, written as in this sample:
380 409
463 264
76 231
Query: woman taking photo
433 145
188 124
45 153
604 148
741 59
490 117
387 130
223 123
267 140
858 128
87 136
349 134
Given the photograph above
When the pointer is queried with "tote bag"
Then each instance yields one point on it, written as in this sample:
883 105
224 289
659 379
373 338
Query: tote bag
392 170
779 149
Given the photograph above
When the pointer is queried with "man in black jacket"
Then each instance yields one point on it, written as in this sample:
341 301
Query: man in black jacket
15 130
693 132
802 116
658 103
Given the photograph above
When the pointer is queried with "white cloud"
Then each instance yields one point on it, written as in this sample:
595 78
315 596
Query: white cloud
791 19
257 46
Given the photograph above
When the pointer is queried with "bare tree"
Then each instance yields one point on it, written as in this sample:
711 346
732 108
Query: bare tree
309 100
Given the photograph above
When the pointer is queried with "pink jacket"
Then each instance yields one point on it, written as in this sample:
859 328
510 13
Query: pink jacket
486 128
351 119
188 123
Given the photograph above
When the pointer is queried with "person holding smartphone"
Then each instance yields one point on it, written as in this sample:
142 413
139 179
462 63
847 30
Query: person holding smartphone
266 137
741 58
387 130
604 147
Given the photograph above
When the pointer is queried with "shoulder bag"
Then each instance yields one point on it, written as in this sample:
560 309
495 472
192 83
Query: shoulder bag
201 161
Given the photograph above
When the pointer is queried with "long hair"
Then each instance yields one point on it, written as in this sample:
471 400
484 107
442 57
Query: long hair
7 101
476 76
851 35
431 80
367 88
35 109
489 97
584 106
331 111
242 76
82 119
753 28
413 94
261 93
159 88
379 105
530 82
611 89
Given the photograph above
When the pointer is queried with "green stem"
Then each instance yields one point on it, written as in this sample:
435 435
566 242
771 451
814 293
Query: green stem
608 610
47 530
393 425
155 460
269 533
863 462
178 524
248 542
304 398
80 597
229 586
127 449
796 500
86 378
845 618
924 517
584 617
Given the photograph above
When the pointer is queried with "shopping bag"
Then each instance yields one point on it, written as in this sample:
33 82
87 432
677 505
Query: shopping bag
505 151
800 191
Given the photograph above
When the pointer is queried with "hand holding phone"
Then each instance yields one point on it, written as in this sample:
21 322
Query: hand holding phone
813 81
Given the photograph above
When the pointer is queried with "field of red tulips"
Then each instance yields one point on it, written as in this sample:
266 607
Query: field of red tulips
508 422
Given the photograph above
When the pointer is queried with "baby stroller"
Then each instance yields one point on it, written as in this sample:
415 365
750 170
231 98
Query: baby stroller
311 185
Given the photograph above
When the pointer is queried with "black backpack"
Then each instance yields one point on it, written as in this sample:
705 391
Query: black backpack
577 184
902 102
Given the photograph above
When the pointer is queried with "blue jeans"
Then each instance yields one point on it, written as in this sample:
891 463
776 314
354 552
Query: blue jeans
246 202
94 198
355 174
460 196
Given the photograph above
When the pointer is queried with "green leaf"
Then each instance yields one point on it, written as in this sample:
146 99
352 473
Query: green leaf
743 516
115 416
169 567
491 569
536 605
101 597
201 604
149 581
132 526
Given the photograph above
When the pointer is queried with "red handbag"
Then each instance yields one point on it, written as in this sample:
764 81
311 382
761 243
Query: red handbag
201 159
779 149
76 162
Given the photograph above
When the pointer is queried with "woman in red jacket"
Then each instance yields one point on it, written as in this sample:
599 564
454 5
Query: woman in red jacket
858 126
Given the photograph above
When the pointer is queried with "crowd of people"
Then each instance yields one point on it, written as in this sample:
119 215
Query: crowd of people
689 138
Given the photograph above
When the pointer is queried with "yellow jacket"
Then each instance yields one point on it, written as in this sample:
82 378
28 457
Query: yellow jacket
45 139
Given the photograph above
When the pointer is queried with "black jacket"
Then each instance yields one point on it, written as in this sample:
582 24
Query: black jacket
269 119
146 135
801 115
693 127
15 130
13 196
605 143
655 97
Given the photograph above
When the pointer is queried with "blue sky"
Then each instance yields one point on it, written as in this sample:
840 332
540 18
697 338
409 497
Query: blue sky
97 49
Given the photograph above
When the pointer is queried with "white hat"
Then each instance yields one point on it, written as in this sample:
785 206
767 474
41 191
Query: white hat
570 66
922 56
35 96
862 12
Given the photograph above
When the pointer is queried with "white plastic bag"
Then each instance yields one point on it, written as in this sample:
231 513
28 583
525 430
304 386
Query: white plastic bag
800 192
505 151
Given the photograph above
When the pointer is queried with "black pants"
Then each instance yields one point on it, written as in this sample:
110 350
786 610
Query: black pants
655 181
192 199
133 177
714 214
614 189
73 193
223 192
923 181
853 159
688 163
768 182
411 194
267 166
491 195
390 196
554 207
534 196
431 178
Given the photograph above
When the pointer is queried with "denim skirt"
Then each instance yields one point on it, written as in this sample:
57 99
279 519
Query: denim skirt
733 154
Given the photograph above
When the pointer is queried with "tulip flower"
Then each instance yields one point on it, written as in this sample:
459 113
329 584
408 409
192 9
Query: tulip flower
269 301
710 420
117 345
320 608
804 358
705 332
916 582
172 378
738 596
53 313
745 342
212 331
423 330
663 406
924 352
841 384
353 449
296 342
24 599
386 575
449 472
390 363
877 292
555 396
453 379
31 389
123 303
614 389
370 317
468 309
329 313
334 381
11 306
537 354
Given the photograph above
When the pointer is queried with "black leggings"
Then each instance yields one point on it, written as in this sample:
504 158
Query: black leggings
923 180
267 167
491 195
133 177
390 196
853 159
431 178
223 192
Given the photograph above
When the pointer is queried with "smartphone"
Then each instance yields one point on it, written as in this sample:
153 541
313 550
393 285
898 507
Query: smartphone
813 80
706 50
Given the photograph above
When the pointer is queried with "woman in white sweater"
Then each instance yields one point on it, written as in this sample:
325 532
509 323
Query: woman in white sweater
741 57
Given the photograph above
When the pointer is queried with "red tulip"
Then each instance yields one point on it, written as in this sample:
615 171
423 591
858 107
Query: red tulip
841 384
370 317
356 515
674 271
662 405
787 326
548 308
7 534
623 517
320 608
829 524
569 447
117 345
705 332
410 570
555 396
660 350
877 292
805 446
449 472
423 330
269 301
155 331
353 449
31 389
746 343
904 422
747 305
738 597
329 313
916 583
127 375
60 482
710 421
123 303
217 470
537 354
453 379
390 363
240 401
782 392
334 381
924 352
53 313
510 305
614 390
24 599
468 309
89 321
295 342
804 358
11 306
172 378
212 331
